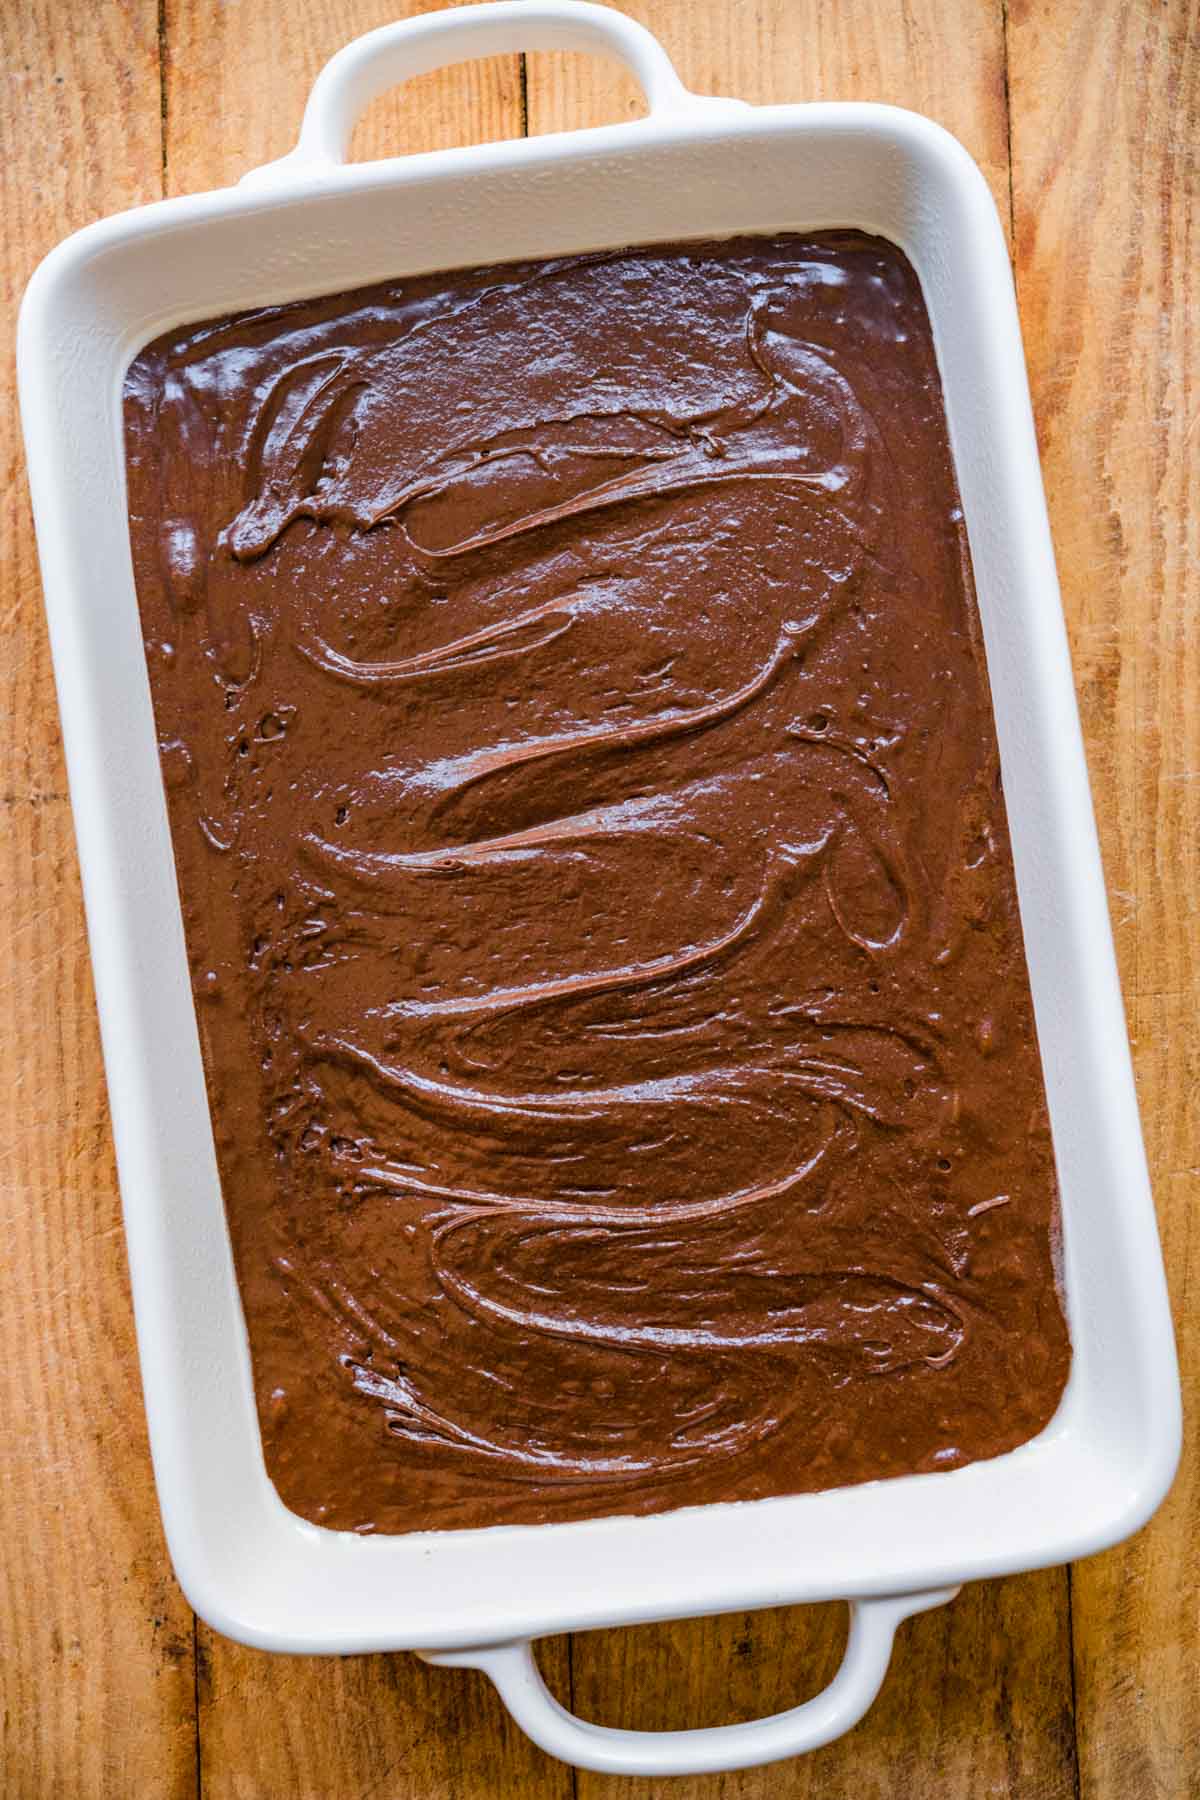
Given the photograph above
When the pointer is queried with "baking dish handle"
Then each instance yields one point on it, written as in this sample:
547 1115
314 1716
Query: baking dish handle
514 1673
380 59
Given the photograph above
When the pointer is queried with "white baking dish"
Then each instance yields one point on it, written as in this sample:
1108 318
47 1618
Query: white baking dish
310 225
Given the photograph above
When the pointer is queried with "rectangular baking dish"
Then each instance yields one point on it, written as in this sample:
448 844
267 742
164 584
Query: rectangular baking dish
311 224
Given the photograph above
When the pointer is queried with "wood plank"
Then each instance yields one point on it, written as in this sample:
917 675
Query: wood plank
975 1704
237 79
284 1728
97 1679
979 1698
1107 207
942 57
79 137
1137 1633
93 1625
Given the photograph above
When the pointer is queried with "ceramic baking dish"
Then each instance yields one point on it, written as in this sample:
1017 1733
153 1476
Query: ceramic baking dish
311 224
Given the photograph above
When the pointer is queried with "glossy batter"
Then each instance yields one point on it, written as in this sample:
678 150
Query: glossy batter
587 813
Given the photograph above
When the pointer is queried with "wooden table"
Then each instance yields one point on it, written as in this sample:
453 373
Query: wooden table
1085 116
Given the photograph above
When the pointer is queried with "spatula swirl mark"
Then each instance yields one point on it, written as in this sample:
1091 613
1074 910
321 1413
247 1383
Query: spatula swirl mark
673 1323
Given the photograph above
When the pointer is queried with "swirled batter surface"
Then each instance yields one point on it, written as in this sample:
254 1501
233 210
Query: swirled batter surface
587 813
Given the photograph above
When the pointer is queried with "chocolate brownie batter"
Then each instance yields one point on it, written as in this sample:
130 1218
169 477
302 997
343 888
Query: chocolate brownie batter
587 814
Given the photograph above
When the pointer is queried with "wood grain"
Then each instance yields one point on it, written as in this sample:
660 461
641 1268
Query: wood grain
1107 210
236 79
974 1704
942 57
280 1728
96 1641
78 139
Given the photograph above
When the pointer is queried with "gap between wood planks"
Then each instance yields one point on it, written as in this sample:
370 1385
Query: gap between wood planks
1008 142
